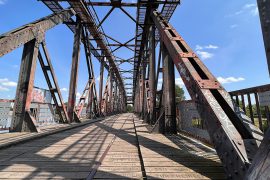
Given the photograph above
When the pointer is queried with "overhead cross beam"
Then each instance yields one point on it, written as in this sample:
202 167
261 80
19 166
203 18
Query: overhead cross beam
105 17
55 7
86 17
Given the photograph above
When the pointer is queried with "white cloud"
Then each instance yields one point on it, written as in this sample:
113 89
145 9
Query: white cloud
198 47
238 12
234 26
3 80
15 66
210 46
247 6
229 79
78 95
179 81
3 88
255 11
6 82
160 80
63 89
2 2
205 55
9 84
98 78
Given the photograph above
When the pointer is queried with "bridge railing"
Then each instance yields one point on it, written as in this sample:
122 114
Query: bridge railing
254 102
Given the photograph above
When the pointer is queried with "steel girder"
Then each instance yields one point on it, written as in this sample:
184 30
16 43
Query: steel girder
264 12
30 35
87 18
48 72
74 72
18 37
55 7
144 9
235 138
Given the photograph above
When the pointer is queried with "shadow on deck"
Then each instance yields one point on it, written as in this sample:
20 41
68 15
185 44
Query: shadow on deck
74 153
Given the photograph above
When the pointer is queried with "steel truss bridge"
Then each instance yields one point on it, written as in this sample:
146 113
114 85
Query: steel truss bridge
113 144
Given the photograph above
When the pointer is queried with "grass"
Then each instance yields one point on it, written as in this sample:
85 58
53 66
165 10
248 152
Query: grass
264 123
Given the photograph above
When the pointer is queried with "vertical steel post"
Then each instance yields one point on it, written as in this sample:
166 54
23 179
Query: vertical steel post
169 93
264 12
110 92
143 76
250 108
90 101
243 102
258 111
142 91
115 97
237 100
22 120
267 115
74 70
152 75
101 85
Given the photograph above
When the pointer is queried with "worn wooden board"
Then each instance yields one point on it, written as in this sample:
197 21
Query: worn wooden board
173 157
75 153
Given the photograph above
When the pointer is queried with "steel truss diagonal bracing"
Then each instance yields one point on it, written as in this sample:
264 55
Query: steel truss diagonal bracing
141 81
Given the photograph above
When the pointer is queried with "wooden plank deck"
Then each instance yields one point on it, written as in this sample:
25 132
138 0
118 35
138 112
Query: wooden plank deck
176 156
109 149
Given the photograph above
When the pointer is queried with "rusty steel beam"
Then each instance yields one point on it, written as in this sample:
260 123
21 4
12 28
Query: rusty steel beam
110 92
55 7
74 72
121 4
125 4
86 16
260 168
169 93
22 120
18 37
152 74
128 45
264 12
143 14
105 17
52 83
235 138
101 86
84 97
92 100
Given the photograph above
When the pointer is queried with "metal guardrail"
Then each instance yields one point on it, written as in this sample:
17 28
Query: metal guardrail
248 100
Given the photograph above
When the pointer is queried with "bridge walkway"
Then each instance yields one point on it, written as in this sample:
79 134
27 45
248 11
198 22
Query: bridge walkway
118 147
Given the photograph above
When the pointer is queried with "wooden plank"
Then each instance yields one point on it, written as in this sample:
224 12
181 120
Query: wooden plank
173 157
75 153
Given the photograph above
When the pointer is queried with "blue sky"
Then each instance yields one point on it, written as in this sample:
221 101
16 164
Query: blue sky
225 34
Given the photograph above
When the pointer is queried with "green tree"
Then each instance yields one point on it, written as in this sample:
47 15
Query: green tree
179 94
129 108
254 110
